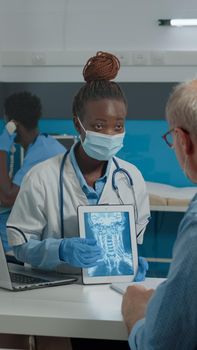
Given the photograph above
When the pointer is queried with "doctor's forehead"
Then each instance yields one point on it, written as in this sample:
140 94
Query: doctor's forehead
105 108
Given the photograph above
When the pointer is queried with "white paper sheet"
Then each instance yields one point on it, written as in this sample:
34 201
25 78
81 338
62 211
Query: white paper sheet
149 282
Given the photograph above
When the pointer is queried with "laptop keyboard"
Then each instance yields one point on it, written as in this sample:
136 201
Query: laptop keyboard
24 279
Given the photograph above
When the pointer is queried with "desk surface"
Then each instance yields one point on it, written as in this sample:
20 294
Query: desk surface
66 311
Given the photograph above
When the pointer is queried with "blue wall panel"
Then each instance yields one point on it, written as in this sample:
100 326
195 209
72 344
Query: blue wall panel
143 147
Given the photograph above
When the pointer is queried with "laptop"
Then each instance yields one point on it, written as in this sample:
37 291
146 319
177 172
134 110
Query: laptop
17 277
114 229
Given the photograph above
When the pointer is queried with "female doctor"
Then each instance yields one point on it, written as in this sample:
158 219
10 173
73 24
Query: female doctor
43 227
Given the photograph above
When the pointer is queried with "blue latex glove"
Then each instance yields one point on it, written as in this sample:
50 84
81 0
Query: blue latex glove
142 269
80 252
6 140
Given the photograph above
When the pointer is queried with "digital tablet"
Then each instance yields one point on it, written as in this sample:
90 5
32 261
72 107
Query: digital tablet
113 227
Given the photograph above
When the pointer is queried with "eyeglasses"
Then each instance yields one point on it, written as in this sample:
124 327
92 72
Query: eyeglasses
168 137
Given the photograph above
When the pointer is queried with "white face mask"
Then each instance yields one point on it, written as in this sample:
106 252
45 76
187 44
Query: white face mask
101 146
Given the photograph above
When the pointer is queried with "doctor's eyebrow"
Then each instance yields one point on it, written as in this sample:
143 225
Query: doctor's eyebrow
106 121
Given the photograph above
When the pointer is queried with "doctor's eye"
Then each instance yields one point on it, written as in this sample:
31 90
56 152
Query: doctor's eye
119 127
98 126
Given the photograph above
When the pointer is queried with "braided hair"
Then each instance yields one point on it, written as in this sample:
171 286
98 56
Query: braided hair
98 73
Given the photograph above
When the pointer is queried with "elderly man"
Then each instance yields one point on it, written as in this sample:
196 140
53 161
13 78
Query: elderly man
167 318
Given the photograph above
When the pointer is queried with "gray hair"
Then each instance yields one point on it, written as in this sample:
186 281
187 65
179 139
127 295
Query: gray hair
181 108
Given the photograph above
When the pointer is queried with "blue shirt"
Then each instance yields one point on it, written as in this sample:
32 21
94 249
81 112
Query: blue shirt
44 147
171 317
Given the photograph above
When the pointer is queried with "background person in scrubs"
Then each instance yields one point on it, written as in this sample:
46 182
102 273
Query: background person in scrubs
24 109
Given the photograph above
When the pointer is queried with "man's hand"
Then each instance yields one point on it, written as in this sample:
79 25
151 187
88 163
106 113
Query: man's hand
134 304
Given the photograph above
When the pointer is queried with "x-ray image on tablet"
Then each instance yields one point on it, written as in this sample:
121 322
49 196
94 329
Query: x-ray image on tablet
111 230
113 227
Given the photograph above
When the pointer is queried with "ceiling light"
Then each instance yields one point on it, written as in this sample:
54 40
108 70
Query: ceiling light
179 22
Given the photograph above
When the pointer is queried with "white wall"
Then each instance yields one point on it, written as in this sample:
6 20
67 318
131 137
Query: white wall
50 40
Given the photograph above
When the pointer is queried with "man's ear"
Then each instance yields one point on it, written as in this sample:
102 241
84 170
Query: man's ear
186 141
189 145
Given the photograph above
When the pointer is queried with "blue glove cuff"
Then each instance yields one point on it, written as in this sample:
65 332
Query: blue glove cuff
142 269
61 249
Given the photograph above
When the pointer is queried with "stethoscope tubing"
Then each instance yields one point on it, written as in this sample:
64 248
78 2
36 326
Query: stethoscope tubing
114 186
62 193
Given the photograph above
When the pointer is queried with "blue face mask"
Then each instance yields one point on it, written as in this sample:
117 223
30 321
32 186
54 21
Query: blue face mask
101 146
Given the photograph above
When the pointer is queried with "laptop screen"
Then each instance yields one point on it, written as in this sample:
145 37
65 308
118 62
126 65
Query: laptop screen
15 276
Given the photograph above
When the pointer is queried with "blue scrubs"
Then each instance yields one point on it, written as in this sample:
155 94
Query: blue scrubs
44 147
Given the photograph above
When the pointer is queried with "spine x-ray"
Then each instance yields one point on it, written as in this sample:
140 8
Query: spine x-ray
112 232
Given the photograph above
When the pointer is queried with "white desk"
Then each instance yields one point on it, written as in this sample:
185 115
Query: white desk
66 311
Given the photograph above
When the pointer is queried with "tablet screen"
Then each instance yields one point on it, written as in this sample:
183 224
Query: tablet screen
111 226
111 230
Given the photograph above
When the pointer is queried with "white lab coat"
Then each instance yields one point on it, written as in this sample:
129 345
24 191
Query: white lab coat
36 213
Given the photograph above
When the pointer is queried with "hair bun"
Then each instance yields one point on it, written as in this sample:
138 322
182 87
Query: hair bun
103 66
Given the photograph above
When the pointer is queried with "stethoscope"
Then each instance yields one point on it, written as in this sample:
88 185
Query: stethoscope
118 170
